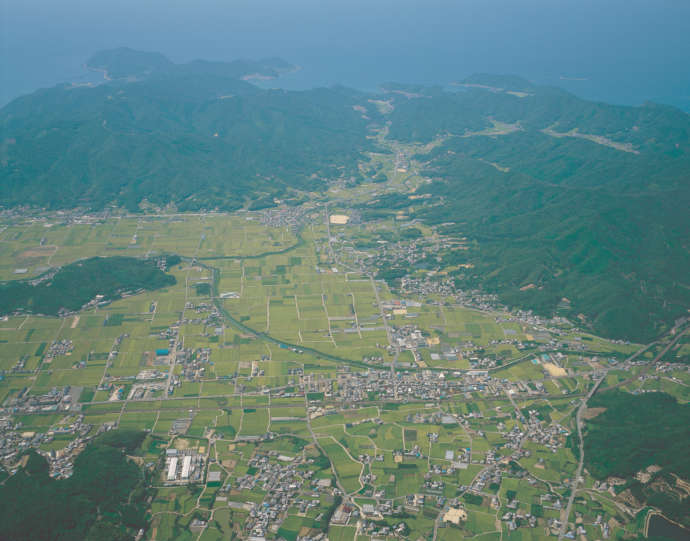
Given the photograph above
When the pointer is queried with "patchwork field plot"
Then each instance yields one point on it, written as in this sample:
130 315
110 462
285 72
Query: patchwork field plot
277 354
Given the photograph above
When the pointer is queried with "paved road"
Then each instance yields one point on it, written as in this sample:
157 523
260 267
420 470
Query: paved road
580 465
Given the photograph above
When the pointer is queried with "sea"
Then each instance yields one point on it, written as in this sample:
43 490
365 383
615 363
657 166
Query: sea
618 51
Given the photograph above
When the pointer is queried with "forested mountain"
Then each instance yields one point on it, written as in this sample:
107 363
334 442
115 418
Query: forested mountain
575 206
72 286
194 134
125 63
103 500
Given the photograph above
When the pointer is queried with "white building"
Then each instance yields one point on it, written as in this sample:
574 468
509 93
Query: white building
172 469
186 466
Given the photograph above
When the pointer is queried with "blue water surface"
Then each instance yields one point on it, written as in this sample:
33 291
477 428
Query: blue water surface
619 51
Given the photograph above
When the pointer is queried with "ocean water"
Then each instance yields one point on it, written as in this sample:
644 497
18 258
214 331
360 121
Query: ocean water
619 51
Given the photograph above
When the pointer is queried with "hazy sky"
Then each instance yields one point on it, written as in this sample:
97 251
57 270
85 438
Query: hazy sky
627 50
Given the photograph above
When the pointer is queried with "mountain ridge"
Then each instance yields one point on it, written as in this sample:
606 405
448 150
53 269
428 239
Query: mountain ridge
567 198
126 63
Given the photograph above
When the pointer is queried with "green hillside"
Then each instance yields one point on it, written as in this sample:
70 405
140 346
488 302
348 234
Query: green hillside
194 134
96 503
74 285
635 432
574 207
595 225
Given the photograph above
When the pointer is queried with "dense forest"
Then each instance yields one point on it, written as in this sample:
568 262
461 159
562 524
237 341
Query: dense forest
650 428
74 285
104 499
594 224
637 431
195 135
